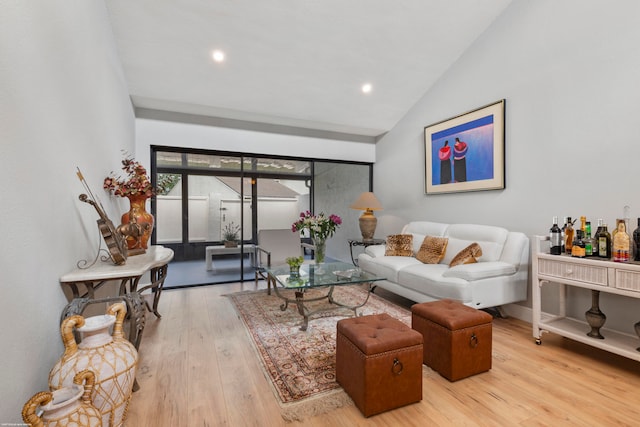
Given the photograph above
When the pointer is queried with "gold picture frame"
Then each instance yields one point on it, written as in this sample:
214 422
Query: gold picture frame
466 152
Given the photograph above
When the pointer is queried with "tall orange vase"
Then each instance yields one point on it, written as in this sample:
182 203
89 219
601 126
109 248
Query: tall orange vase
140 224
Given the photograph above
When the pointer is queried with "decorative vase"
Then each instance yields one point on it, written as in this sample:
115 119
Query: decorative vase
66 407
112 358
140 224
319 249
595 317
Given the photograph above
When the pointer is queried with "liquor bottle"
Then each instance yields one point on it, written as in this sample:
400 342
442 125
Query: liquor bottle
563 229
621 242
555 235
588 241
583 224
596 236
568 236
636 242
578 246
604 243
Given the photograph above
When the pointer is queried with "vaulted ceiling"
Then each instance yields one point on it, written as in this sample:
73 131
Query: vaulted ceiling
298 63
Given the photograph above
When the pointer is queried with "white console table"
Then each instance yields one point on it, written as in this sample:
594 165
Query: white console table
588 273
210 251
154 261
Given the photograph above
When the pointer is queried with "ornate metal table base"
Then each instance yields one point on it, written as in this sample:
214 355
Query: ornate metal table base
305 312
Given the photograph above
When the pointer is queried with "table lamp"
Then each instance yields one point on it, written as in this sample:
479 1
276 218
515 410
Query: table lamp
368 203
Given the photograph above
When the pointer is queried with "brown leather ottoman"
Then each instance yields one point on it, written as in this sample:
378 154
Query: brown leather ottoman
457 338
379 362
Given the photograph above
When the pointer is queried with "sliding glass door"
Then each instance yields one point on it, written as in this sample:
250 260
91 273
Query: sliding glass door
212 192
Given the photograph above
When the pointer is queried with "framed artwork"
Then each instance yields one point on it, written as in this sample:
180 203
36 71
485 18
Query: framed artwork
466 153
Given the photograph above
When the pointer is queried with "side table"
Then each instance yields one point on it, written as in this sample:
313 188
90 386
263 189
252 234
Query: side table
154 261
362 242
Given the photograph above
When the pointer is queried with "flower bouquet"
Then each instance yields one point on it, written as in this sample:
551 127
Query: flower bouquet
320 227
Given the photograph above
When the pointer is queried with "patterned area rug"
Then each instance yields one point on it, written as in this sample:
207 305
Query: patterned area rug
300 365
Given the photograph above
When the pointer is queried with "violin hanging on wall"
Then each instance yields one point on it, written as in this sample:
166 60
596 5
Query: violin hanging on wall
116 243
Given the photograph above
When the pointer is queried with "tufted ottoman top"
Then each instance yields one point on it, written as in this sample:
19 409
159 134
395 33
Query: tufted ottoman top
452 314
377 333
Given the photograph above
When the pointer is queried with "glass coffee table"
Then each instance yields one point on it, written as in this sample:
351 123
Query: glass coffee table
327 276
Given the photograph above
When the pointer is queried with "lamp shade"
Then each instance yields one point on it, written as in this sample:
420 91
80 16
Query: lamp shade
367 201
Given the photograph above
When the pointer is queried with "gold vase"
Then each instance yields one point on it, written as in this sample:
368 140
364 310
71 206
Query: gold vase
138 224
111 357
66 407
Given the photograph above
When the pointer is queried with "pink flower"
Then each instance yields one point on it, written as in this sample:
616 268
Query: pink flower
319 226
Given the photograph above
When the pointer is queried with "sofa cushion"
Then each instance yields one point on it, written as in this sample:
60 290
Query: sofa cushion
482 270
422 229
375 250
468 255
491 239
399 245
429 279
387 266
432 249
426 228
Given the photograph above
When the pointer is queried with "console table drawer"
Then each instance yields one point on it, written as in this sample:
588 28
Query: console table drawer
629 280
566 270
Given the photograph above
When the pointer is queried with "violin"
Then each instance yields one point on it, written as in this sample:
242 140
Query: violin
116 243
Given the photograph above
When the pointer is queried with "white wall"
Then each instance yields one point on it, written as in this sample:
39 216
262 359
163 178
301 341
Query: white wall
63 103
569 72
157 132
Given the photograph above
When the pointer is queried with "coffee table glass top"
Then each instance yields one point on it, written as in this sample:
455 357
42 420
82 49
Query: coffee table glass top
325 274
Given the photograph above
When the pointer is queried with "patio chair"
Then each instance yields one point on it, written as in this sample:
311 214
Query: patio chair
274 246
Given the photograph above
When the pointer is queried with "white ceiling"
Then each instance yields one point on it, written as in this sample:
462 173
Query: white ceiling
297 63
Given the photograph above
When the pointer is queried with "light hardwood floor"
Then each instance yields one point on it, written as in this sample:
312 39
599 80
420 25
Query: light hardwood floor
197 368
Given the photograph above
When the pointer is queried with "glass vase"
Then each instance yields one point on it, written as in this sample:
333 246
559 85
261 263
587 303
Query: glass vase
319 249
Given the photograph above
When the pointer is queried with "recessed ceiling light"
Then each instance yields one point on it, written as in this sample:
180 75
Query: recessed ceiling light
217 55
366 88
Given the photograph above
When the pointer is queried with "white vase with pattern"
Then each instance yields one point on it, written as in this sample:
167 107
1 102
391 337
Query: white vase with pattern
66 407
110 356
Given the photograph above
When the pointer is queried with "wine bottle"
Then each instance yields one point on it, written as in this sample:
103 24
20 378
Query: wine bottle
596 236
563 229
568 236
621 242
636 242
555 236
604 243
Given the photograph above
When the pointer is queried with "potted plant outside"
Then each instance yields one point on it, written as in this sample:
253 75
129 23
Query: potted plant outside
230 235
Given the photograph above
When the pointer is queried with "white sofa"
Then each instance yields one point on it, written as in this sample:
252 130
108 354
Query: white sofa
499 277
